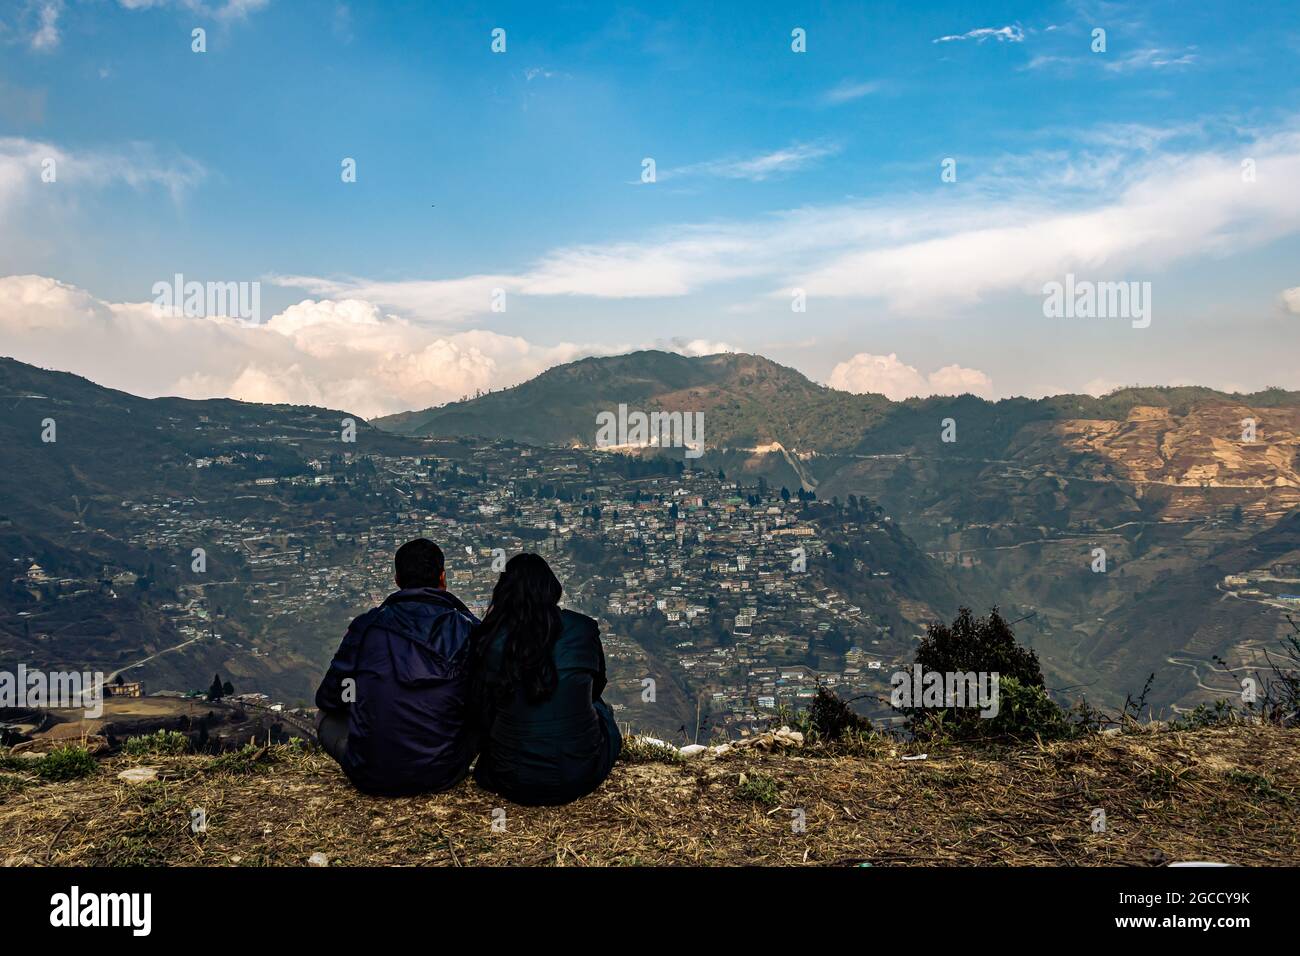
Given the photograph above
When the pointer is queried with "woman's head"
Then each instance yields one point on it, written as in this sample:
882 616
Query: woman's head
527 579
526 609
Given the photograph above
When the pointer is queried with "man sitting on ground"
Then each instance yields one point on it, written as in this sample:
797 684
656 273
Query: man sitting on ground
393 703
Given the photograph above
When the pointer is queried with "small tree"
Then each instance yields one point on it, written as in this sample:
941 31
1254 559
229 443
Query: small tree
215 690
986 645
979 644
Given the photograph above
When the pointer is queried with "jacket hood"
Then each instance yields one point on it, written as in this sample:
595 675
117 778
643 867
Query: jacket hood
435 626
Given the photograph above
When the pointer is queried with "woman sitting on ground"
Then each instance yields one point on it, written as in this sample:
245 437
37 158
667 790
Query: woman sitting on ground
546 736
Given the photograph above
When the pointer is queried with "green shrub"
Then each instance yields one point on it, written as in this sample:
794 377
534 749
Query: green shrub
66 763
1027 712
1219 714
1024 713
760 788
249 759
167 742
986 645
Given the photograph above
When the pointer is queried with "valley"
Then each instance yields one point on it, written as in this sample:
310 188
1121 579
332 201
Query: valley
727 587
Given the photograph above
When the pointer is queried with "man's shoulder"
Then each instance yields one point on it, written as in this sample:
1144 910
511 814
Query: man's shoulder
362 621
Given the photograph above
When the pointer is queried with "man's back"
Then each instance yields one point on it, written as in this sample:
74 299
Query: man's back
407 730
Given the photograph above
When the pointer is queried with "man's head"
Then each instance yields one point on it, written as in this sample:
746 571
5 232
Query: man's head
419 565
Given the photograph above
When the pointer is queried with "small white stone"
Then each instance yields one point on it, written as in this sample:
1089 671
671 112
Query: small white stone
139 775
692 750
318 859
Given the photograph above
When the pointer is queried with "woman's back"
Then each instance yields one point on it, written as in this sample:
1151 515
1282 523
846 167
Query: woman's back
557 749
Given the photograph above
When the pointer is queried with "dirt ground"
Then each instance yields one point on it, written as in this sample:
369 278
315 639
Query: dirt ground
1230 795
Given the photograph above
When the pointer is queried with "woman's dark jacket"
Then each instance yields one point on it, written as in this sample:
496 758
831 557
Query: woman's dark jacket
557 750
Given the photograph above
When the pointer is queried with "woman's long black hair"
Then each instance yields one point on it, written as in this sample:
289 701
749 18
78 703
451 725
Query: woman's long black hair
525 606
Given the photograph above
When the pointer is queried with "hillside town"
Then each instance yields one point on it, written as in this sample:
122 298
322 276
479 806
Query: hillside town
709 594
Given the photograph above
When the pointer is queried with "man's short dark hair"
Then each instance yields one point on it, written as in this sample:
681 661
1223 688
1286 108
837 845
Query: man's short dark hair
419 564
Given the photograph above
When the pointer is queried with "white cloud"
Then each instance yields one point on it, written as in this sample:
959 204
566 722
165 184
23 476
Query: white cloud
694 347
887 375
1126 204
1148 58
754 168
1152 58
1099 387
229 10
669 264
849 90
440 301
955 380
341 354
1161 210
139 165
1291 300
46 36
1012 34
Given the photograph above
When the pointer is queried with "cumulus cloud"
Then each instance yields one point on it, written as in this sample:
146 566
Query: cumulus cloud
889 376
433 300
344 354
694 347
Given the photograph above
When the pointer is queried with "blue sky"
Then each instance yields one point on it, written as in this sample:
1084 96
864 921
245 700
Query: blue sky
520 171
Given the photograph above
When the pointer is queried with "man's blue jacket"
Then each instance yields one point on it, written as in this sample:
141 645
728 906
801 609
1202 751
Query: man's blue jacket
402 676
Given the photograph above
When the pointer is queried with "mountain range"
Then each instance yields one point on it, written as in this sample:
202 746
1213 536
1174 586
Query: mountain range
1014 500
1181 487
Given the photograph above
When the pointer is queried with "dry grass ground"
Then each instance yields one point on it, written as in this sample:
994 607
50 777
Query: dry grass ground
1231 795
